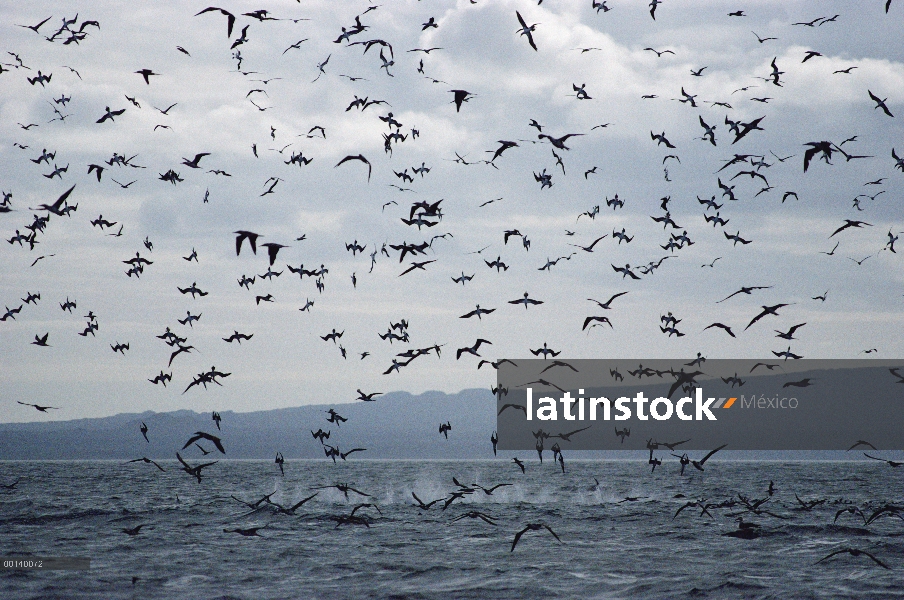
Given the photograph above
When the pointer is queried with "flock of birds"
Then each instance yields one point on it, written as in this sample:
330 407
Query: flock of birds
29 232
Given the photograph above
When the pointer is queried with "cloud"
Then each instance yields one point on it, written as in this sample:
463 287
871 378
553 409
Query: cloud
286 363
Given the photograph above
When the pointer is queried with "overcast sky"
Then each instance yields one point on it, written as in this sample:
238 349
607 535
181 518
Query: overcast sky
286 363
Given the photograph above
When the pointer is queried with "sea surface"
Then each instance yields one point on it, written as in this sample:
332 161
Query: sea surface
610 547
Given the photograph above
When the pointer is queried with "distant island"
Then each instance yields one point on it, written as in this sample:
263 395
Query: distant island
397 425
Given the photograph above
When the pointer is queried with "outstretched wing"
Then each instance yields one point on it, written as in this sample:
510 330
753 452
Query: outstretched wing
548 528
518 537
711 453
303 501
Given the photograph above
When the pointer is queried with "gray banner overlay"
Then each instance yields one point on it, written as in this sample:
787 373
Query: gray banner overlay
37 563
778 405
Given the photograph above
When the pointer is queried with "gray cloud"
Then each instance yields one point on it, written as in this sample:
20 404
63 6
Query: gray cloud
286 363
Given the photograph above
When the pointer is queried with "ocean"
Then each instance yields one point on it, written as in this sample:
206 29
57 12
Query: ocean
610 547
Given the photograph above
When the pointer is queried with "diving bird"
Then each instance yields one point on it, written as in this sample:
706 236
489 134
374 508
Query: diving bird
661 139
196 470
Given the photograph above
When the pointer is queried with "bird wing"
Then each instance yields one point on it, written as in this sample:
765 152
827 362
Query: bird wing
830 556
567 435
216 441
303 501
756 318
597 239
190 385
481 340
185 464
808 156
734 294
518 537
195 437
56 205
840 229
876 560
711 453
548 528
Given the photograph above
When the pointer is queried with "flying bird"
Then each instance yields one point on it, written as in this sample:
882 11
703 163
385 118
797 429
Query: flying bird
362 159
38 407
146 73
272 250
849 223
698 464
199 435
853 552
880 103
535 526
230 18
526 30
461 96
242 236
767 310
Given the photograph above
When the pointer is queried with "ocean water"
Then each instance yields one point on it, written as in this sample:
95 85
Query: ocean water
610 547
